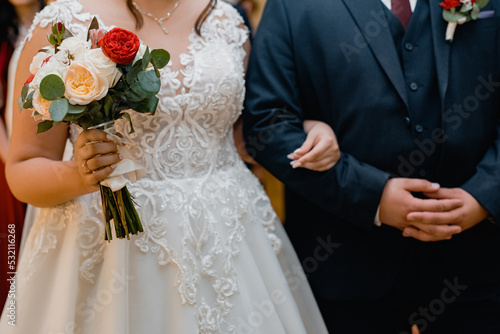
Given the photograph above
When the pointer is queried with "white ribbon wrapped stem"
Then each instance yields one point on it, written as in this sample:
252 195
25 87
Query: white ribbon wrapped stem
126 170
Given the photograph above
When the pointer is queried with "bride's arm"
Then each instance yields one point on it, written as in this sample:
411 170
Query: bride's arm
34 169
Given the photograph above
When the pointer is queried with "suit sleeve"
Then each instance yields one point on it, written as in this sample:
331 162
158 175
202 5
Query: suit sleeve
273 128
485 183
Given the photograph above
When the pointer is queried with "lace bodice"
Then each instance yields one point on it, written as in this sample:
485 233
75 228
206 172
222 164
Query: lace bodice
191 132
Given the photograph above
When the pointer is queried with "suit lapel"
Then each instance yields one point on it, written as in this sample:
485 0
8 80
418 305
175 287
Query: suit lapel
441 47
382 44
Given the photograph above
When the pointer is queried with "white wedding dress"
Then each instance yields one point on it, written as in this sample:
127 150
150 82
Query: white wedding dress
213 257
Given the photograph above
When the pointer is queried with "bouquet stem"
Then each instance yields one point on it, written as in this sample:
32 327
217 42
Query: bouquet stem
119 207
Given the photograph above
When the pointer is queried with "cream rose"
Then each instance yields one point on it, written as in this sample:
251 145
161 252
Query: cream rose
52 66
38 60
75 46
41 105
140 52
83 84
100 62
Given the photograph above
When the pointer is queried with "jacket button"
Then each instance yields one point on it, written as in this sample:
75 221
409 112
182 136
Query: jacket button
413 86
408 46
419 128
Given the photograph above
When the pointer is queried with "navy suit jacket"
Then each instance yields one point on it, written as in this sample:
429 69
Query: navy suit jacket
336 61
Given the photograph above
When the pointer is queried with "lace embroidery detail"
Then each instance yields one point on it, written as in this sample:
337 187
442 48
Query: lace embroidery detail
198 192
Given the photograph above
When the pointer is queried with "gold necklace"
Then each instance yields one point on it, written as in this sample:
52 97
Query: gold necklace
158 20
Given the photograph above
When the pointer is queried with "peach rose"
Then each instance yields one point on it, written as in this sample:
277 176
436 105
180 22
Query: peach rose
41 105
84 85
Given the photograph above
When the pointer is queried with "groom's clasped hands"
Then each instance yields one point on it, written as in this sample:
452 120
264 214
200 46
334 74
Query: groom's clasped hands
442 212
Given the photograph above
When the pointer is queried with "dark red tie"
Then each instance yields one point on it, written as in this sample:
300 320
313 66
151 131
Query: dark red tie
402 9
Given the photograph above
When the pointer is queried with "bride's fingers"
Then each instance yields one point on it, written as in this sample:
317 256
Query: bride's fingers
306 146
93 135
321 165
96 149
94 177
98 162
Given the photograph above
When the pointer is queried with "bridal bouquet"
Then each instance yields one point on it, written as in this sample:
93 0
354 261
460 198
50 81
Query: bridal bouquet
92 81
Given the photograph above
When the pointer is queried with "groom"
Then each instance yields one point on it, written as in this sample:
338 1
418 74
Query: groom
404 229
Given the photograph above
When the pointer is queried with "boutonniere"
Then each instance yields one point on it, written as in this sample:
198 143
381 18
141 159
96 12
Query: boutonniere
458 12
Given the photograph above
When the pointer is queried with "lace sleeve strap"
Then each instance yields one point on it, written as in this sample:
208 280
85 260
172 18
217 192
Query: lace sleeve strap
68 12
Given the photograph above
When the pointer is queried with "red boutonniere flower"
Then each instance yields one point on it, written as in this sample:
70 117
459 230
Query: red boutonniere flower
460 11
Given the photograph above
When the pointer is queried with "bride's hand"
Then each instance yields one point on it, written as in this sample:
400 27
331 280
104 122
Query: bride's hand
320 151
96 155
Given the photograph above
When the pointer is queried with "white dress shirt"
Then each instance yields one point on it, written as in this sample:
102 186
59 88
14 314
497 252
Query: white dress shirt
413 3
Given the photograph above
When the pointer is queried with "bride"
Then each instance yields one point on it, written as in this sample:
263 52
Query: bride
213 258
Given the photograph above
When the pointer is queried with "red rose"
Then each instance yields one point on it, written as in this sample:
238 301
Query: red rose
120 45
447 4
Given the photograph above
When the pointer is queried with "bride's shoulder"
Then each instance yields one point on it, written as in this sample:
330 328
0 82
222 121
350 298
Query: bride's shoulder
226 20
226 10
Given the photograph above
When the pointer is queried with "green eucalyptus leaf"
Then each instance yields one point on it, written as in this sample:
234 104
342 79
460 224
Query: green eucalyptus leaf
28 104
73 117
24 91
76 109
147 85
157 72
147 106
481 3
21 104
146 59
52 87
127 116
133 96
474 14
58 109
161 57
44 126
465 8
132 73
108 103
450 17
